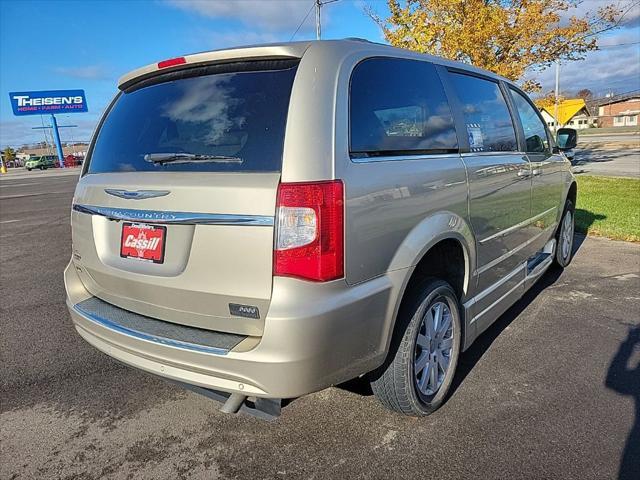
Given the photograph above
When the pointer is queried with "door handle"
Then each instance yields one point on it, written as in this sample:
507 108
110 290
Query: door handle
524 173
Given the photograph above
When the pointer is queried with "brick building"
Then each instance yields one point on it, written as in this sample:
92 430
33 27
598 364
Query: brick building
620 112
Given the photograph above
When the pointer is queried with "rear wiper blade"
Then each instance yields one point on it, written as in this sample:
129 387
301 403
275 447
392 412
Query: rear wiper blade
162 158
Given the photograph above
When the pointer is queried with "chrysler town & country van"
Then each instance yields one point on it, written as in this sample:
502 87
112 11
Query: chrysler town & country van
269 221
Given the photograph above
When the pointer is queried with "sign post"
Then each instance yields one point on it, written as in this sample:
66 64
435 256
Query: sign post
49 102
56 138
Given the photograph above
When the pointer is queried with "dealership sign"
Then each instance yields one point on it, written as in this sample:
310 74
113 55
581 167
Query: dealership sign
50 101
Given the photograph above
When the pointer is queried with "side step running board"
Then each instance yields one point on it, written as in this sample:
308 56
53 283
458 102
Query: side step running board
536 261
264 408
539 263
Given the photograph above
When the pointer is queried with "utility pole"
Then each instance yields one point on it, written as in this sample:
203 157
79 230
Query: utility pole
56 136
557 95
319 4
318 22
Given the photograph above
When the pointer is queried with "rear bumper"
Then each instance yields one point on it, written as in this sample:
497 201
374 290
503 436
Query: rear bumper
315 335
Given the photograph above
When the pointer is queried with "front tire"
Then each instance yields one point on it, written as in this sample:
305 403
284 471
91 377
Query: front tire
422 361
564 237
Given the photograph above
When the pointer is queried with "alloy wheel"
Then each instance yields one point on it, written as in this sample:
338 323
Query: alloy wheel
433 348
566 239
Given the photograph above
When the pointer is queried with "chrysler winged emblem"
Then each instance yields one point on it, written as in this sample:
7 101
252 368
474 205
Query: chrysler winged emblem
136 194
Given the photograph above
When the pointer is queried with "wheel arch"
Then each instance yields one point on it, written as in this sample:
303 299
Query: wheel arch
442 246
572 193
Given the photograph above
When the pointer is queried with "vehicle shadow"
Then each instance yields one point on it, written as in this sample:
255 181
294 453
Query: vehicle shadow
586 218
625 380
470 358
475 352
578 240
589 155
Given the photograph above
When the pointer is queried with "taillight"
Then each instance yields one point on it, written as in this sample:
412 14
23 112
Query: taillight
310 229
172 62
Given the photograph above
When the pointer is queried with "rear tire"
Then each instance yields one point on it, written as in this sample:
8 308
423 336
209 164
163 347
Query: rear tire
416 377
564 236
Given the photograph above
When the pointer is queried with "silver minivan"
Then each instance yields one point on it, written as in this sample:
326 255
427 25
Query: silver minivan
265 222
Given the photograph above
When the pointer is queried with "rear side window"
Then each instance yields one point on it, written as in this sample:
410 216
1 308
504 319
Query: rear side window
486 116
535 134
222 122
399 107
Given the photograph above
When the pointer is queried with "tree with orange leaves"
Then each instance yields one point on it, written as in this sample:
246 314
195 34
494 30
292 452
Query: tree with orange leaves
548 100
508 37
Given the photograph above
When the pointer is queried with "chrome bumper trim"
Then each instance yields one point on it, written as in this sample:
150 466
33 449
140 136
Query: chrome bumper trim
106 323
174 218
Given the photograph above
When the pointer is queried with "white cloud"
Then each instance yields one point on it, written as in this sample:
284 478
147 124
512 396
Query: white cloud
280 15
14 133
614 68
206 39
20 131
90 72
626 36
631 9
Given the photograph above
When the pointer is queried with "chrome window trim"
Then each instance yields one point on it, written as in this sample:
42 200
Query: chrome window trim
495 153
174 218
114 327
404 157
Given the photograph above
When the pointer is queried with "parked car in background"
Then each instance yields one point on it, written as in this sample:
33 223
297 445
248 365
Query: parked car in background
72 161
270 221
43 162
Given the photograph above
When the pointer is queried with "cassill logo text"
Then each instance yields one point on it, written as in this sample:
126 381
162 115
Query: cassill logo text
141 243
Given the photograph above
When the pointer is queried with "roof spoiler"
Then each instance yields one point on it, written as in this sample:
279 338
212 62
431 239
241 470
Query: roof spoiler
266 52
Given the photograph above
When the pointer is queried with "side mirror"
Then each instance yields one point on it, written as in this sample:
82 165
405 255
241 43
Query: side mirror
566 138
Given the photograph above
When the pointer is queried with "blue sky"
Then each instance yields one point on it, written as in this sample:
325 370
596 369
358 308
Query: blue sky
48 45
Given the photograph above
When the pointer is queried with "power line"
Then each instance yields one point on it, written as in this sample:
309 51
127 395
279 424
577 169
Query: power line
303 20
614 97
617 45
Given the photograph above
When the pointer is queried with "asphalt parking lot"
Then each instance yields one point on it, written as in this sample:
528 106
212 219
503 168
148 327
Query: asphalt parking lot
608 155
552 390
610 161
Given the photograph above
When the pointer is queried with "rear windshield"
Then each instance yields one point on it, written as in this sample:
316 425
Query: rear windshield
222 122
